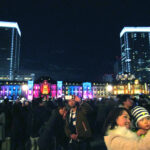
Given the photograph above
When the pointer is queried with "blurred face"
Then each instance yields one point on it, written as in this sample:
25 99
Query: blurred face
45 98
123 120
71 103
128 103
62 111
26 103
144 123
41 104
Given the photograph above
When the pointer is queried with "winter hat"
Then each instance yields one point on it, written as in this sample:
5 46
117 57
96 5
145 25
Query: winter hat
139 113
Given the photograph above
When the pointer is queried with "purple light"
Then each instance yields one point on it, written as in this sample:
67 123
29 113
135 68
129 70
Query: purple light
53 90
36 93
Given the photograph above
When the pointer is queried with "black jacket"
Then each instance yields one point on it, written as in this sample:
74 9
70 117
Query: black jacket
82 124
52 133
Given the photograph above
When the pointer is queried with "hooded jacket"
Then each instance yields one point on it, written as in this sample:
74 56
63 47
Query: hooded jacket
122 138
82 125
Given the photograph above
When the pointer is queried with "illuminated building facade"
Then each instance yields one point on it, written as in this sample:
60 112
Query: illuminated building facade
85 90
131 88
53 91
30 90
10 36
59 89
99 90
135 52
36 89
73 90
45 88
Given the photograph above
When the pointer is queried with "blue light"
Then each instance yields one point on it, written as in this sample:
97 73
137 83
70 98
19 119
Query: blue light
59 89
30 90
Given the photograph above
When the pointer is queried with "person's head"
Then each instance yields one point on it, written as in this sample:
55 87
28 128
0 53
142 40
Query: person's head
141 117
61 110
71 101
126 101
26 103
45 98
117 117
41 103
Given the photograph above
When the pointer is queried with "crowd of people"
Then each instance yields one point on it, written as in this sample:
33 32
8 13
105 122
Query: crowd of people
118 123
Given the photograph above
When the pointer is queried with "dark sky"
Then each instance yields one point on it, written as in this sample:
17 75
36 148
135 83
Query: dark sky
72 39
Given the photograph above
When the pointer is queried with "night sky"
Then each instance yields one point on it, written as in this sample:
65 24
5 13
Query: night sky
74 40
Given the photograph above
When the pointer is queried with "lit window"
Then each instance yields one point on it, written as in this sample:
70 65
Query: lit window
135 35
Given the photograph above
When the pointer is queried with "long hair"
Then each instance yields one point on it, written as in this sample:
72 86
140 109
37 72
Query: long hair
110 121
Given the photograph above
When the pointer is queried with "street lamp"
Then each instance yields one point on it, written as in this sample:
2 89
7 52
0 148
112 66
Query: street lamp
109 88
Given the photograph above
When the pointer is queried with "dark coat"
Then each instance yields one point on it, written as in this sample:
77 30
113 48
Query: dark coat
18 124
8 115
52 133
2 126
82 124
36 122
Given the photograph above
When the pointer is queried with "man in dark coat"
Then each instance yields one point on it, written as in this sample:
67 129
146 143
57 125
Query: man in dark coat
77 126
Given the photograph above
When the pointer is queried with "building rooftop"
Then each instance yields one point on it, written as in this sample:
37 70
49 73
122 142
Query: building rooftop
10 25
134 29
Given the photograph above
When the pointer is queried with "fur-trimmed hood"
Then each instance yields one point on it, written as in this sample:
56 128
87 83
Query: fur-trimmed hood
122 138
123 131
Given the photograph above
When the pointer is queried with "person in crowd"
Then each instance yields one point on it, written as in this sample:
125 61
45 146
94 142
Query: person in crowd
35 124
144 102
141 118
45 110
125 101
77 127
7 107
18 130
104 107
44 98
52 135
118 135
2 125
26 112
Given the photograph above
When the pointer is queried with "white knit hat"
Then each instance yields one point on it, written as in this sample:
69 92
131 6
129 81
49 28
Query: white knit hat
139 113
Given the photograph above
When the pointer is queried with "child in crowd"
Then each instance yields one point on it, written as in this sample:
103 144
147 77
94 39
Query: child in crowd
141 119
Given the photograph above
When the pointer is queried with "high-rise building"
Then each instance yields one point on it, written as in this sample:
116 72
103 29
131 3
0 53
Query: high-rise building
135 52
10 36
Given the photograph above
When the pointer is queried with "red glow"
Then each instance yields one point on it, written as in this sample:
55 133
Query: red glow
45 88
